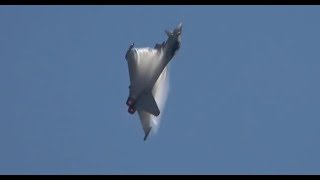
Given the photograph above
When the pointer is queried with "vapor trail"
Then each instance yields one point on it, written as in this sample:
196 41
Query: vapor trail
160 92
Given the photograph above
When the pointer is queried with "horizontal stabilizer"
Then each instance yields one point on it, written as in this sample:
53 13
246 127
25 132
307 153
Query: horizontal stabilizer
147 103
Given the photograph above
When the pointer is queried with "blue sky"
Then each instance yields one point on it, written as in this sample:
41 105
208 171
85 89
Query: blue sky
244 90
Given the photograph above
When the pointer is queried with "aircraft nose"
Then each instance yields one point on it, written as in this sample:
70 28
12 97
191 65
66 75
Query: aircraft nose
178 30
179 26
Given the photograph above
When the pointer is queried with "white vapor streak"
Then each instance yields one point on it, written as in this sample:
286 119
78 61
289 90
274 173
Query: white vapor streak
160 92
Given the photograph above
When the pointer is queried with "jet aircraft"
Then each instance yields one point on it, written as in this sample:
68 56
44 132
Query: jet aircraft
148 70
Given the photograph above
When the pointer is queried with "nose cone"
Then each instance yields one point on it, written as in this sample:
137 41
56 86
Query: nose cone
179 27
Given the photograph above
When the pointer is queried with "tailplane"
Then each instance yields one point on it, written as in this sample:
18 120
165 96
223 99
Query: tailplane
147 103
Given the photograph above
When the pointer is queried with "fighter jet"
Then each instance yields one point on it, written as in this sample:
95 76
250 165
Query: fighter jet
148 70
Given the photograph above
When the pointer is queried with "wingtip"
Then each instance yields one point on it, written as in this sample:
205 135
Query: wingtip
147 133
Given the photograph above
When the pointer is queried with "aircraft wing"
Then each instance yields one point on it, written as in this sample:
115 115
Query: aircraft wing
145 119
142 64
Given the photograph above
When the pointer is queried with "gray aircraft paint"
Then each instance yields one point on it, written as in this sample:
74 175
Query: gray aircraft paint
149 75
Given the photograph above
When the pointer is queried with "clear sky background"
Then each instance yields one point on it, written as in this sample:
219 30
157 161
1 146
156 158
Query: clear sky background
244 90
